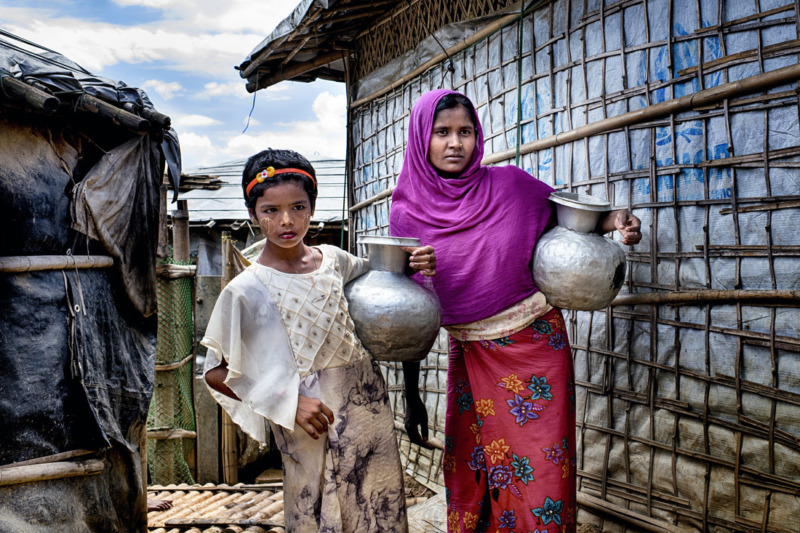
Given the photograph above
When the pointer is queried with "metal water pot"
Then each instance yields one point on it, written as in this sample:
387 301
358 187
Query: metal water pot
395 318
574 267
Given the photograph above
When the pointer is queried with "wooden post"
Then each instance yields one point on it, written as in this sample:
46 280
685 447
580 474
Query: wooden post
228 447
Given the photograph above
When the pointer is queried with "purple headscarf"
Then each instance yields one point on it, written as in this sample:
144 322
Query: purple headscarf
483 225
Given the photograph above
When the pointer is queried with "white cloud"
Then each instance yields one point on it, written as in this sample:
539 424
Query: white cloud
165 89
192 121
322 137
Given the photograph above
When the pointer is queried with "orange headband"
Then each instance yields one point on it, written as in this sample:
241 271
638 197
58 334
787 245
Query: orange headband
270 172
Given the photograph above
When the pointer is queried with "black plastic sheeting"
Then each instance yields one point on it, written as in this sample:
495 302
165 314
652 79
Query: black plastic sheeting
77 347
62 77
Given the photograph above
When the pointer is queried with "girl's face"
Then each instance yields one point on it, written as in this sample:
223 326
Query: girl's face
284 213
452 141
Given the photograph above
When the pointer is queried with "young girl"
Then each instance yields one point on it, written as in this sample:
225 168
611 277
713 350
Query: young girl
283 352
509 459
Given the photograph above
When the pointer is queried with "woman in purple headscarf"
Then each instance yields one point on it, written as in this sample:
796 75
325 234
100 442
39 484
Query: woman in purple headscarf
509 458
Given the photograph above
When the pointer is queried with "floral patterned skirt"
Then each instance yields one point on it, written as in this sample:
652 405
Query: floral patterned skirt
509 462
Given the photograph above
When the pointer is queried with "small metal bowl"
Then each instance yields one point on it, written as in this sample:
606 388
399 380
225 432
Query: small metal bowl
578 212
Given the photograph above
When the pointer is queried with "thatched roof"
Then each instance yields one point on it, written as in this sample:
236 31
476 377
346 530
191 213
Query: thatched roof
320 37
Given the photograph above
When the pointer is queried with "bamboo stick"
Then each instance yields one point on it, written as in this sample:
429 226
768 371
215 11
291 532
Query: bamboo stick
170 271
705 97
173 433
36 98
31 263
177 364
11 475
94 105
707 295
764 207
150 114
644 523
50 458
691 101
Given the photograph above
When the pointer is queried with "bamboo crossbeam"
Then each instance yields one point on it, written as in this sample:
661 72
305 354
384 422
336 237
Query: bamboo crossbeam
50 458
707 296
150 114
31 263
12 475
94 105
36 98
763 207
170 271
167 434
644 523
684 103
177 364
704 97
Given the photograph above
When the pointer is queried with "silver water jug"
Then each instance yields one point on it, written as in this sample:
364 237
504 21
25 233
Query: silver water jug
574 267
395 318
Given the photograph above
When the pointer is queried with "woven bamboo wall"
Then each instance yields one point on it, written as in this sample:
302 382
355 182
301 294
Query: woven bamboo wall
410 22
688 413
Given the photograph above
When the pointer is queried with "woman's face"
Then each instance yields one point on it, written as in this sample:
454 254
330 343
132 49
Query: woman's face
452 141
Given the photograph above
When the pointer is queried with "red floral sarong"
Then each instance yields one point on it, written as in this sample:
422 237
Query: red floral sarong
509 461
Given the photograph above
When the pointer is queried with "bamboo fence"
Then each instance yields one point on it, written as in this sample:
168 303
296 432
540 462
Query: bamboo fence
685 112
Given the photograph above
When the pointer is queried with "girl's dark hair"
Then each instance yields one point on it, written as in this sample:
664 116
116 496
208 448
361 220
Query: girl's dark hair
449 101
277 159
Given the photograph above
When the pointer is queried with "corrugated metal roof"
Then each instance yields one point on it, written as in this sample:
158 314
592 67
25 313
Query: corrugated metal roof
226 203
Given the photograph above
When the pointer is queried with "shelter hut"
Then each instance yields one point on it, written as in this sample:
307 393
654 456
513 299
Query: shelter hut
82 161
686 112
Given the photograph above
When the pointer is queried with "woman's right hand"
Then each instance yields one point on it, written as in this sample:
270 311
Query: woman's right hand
313 416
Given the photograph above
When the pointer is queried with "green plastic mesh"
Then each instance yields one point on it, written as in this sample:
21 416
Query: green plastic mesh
172 405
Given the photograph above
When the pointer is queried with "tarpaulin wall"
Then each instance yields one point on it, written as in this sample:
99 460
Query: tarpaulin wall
686 112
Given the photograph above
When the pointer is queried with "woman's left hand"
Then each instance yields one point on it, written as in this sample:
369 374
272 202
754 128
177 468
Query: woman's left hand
628 225
423 259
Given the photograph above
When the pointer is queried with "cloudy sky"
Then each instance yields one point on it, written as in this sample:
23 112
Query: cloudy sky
182 53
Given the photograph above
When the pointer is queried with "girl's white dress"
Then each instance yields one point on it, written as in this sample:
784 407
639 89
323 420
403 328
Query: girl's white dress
288 334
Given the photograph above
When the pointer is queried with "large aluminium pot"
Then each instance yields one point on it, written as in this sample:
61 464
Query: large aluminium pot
574 267
395 318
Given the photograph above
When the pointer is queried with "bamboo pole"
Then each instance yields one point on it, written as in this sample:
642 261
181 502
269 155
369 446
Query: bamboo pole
31 263
705 97
708 296
36 98
684 103
150 114
228 445
50 458
169 271
11 475
176 364
173 433
94 105
643 523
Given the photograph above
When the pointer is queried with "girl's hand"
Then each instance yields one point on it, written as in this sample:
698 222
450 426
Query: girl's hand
628 225
313 416
423 259
416 420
